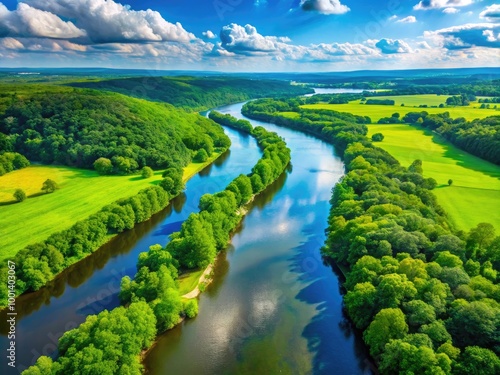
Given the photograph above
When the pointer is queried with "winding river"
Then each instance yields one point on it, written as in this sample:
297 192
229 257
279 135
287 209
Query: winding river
273 307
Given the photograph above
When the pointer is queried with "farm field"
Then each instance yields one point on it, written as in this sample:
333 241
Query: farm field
83 190
476 183
376 112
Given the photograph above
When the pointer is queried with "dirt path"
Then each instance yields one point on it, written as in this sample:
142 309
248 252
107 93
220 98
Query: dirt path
204 277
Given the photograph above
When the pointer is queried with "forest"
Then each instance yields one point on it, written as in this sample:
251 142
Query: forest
151 301
194 93
78 128
426 297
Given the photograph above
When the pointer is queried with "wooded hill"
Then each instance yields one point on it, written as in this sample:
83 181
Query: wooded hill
196 93
77 128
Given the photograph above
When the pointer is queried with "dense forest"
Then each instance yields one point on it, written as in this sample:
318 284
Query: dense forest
480 137
197 93
427 298
79 127
10 161
111 342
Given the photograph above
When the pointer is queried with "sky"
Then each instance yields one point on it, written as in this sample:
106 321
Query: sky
250 35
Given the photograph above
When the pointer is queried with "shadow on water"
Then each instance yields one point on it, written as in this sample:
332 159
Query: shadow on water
329 345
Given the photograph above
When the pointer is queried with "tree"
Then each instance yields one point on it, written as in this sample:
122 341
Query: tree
481 236
377 137
191 308
49 186
201 156
388 324
450 182
19 195
146 172
103 166
478 361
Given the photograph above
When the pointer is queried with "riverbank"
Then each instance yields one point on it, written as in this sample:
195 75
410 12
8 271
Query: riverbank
83 206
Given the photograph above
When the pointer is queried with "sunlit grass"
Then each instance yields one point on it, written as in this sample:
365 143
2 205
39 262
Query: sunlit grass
473 197
81 193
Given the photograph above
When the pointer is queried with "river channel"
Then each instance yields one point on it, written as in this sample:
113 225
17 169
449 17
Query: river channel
274 306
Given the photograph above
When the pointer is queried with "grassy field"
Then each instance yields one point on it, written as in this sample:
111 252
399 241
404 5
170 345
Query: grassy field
80 194
189 280
475 192
376 112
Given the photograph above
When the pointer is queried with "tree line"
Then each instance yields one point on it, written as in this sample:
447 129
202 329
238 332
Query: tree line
480 137
151 300
82 127
427 297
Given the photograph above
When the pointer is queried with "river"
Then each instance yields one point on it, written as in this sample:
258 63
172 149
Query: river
274 306
92 285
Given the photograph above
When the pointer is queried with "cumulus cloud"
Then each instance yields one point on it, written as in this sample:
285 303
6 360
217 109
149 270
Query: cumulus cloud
246 40
451 10
106 21
324 6
423 45
438 4
390 46
491 13
27 21
209 34
409 19
467 36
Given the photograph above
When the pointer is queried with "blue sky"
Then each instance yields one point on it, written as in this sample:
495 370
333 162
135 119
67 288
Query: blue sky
250 35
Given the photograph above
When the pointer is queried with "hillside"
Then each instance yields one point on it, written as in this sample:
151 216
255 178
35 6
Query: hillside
196 93
77 127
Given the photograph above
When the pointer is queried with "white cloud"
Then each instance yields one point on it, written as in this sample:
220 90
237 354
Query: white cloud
246 40
491 13
451 10
209 34
438 4
11 43
106 21
467 36
324 6
409 19
27 21
390 46
424 45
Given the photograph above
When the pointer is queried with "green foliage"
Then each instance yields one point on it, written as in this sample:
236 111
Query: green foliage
147 172
201 156
388 324
103 166
196 93
191 308
10 161
49 186
78 128
478 361
108 343
19 195
377 137
380 102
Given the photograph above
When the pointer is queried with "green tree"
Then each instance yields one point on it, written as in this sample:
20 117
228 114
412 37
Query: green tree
388 324
49 186
19 195
147 172
103 166
201 156
191 308
377 137
478 361
450 182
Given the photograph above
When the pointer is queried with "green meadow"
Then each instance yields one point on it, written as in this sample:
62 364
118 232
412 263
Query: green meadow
474 195
83 190
411 104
